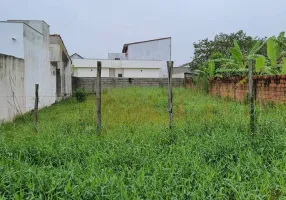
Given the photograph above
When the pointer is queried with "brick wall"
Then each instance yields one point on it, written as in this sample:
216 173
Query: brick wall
89 83
266 88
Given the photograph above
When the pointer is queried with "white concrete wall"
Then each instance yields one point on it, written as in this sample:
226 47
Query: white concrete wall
153 50
91 63
119 71
111 72
38 67
142 64
179 75
8 46
12 87
141 73
138 68
90 72
68 79
55 53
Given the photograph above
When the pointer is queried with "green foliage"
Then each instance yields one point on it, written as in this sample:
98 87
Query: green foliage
216 55
281 39
236 53
80 94
236 64
272 51
260 64
256 48
207 155
211 68
202 81
204 49
284 66
233 60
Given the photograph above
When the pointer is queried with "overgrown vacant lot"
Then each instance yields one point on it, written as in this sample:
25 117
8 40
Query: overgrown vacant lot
208 154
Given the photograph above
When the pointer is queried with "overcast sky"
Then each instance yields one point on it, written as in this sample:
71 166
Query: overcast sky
93 28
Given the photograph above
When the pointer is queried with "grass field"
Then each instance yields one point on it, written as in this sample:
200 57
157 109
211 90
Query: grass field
209 154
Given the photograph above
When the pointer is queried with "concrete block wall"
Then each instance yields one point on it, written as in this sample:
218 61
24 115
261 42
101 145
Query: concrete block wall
266 88
12 87
89 83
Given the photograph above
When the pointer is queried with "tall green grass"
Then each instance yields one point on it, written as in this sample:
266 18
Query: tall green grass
209 154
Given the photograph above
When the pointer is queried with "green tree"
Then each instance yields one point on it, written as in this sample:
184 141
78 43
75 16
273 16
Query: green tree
204 49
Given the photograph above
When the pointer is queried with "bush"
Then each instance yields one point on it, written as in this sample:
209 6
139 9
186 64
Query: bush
80 94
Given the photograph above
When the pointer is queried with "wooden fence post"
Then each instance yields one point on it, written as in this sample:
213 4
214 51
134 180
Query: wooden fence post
36 107
170 97
98 97
250 96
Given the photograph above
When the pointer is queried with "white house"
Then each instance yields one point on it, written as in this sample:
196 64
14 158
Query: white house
118 68
25 61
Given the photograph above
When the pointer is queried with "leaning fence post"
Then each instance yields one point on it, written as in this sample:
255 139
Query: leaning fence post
36 107
170 97
98 97
250 96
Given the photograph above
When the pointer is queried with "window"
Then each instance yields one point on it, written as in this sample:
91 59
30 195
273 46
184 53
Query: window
117 59
119 75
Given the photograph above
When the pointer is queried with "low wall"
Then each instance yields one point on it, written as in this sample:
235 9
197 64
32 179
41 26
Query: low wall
266 88
12 87
89 83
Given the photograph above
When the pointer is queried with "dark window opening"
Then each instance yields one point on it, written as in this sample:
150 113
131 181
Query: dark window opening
119 75
117 59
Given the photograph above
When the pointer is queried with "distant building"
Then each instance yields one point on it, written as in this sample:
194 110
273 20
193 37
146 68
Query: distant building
145 59
117 56
76 56
179 72
118 68
25 61
62 62
156 49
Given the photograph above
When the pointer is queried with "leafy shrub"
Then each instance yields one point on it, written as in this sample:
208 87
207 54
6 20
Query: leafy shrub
80 94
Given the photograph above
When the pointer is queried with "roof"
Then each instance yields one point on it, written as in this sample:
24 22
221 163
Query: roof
185 65
57 35
125 46
21 22
76 54
179 70
26 20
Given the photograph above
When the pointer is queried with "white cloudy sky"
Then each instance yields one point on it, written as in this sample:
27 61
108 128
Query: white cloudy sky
95 27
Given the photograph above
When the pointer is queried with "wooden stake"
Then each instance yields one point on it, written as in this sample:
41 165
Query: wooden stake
36 107
98 97
250 96
170 97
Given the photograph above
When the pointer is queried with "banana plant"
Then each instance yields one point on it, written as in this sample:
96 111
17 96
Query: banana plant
261 67
238 60
242 60
208 69
277 57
